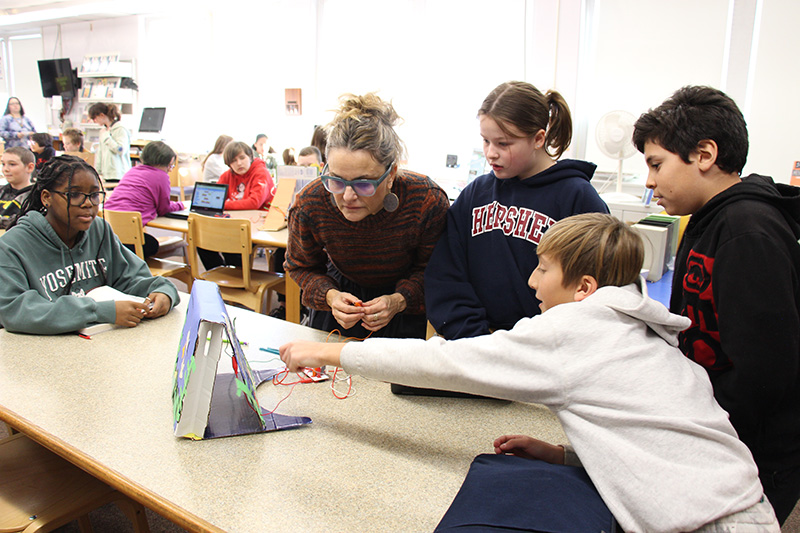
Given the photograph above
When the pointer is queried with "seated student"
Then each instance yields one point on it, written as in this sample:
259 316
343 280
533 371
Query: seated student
18 165
214 163
603 356
42 146
145 188
250 186
58 250
288 157
736 274
72 139
309 156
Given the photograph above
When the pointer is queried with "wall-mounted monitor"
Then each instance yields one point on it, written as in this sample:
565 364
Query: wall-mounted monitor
58 78
152 119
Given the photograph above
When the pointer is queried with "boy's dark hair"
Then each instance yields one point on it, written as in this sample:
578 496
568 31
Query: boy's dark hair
42 139
56 171
157 154
594 244
693 114
74 135
233 150
25 155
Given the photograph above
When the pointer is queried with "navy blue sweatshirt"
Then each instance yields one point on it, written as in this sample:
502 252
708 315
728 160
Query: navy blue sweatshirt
477 278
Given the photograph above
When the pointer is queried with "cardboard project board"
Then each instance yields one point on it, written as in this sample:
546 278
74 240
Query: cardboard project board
207 404
291 180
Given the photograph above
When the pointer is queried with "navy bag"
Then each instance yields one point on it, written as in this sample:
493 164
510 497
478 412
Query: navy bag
509 493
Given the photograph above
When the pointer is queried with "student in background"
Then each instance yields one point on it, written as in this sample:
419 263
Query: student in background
360 237
640 417
288 157
319 139
214 163
58 250
18 165
146 188
310 156
250 186
15 127
113 157
736 274
260 148
72 139
42 146
476 279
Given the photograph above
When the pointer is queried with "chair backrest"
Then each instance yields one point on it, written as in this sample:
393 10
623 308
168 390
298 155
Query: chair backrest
127 225
226 235
86 156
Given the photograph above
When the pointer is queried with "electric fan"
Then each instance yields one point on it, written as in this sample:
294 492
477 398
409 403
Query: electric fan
613 133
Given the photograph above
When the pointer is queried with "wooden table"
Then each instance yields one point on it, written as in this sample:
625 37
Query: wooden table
260 237
373 462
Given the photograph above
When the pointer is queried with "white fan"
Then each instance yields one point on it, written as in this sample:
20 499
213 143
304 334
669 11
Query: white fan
613 133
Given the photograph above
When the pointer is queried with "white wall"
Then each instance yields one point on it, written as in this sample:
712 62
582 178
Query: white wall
224 69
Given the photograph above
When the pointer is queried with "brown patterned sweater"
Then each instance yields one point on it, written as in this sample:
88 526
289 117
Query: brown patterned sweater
382 249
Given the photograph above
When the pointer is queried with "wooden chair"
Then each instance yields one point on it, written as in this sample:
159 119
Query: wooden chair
245 286
178 184
127 225
86 156
40 491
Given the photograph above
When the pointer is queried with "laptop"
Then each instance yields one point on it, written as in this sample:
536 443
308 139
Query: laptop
207 199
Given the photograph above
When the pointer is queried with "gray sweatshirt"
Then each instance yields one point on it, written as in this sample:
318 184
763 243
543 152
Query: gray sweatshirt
641 417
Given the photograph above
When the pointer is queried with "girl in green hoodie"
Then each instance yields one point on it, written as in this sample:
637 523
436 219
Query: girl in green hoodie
58 250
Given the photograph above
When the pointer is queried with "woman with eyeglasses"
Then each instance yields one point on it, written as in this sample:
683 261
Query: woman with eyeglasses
146 188
58 250
361 235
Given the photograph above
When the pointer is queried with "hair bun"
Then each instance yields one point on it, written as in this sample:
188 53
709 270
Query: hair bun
367 106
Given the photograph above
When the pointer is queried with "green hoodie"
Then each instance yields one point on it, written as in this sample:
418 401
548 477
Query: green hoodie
36 265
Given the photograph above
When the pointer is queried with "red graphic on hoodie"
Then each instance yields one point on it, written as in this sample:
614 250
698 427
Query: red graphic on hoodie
700 342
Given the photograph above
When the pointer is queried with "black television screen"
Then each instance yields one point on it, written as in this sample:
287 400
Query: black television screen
57 77
152 119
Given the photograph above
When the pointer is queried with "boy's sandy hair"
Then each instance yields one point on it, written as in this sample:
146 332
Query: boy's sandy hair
25 155
594 244
74 135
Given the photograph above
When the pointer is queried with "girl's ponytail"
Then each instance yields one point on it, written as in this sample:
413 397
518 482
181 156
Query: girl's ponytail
559 128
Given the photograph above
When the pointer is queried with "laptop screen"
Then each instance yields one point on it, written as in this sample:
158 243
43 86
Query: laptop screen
209 196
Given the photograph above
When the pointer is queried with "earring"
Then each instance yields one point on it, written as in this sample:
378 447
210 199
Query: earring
391 202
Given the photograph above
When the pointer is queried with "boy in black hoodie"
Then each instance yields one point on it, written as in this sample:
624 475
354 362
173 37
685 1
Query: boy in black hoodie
737 274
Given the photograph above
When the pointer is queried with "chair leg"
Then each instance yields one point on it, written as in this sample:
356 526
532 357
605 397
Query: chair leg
135 513
85 524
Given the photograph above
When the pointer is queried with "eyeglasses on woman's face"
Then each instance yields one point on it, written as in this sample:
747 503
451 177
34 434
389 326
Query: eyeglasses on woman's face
362 187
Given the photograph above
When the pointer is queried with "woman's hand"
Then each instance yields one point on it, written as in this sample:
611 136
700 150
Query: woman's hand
345 307
529 448
306 354
129 314
159 304
381 310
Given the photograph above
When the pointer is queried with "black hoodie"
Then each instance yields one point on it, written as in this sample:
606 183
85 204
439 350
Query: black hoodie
737 277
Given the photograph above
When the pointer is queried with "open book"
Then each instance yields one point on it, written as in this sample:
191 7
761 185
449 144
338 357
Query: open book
105 293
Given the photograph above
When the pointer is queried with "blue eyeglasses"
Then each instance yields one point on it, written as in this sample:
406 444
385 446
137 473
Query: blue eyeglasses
362 187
